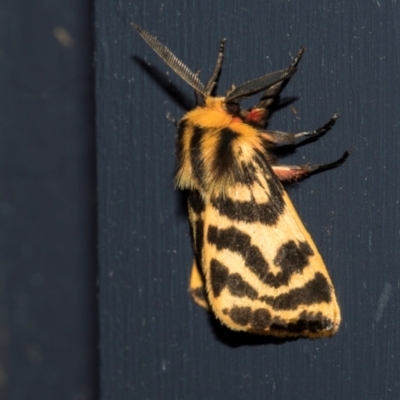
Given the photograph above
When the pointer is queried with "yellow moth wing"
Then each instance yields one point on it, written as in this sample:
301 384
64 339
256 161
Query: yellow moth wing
263 273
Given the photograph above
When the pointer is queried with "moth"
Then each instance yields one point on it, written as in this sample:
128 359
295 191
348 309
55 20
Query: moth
255 267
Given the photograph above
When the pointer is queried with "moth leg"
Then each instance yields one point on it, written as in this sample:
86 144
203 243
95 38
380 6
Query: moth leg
289 173
215 75
272 92
320 131
284 138
197 287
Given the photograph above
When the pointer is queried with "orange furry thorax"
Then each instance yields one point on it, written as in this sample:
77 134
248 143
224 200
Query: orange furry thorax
216 142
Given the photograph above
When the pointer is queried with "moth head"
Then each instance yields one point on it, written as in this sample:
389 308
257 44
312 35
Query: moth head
234 95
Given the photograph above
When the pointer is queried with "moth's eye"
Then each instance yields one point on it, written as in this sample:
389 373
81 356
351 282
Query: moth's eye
233 108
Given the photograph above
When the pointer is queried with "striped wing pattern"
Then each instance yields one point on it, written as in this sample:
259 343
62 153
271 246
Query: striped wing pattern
259 267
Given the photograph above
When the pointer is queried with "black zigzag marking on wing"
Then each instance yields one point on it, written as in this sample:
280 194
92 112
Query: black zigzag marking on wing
198 236
238 287
200 294
240 315
196 202
267 213
306 322
196 207
234 240
314 291
259 319
246 174
220 278
293 258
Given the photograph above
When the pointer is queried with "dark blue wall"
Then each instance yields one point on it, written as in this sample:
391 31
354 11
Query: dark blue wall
48 333
155 343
